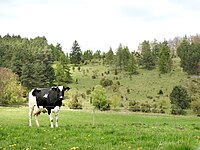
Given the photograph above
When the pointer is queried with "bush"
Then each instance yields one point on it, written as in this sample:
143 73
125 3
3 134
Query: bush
74 103
115 101
99 98
145 107
11 91
106 82
196 106
180 100
160 92
177 110
134 106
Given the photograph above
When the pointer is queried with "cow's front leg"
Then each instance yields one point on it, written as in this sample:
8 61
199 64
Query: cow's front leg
56 114
56 111
51 119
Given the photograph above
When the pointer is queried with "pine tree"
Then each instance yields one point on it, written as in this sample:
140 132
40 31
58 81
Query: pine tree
119 57
132 65
164 62
75 55
148 61
110 56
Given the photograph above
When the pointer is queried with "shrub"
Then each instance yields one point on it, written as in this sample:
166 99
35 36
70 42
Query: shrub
145 107
115 101
106 82
160 92
196 106
74 103
134 106
88 92
179 99
99 98
11 91
177 110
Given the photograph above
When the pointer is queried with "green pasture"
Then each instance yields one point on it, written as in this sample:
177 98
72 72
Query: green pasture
95 130
143 87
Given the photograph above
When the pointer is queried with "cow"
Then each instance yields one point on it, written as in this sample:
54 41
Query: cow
46 99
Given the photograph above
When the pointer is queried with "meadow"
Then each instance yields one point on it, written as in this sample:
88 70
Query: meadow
95 130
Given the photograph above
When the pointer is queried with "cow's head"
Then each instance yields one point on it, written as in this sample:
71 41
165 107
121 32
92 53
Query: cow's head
35 92
62 90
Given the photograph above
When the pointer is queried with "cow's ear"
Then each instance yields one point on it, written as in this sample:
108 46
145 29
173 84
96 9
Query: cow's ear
54 88
67 88
35 91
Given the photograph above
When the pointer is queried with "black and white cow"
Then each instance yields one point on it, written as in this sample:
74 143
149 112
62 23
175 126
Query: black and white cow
46 99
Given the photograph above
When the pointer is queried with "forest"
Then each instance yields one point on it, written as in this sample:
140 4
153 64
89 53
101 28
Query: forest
26 63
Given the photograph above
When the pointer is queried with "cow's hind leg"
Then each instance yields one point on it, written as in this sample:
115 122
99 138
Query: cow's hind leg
56 114
36 121
30 115
36 114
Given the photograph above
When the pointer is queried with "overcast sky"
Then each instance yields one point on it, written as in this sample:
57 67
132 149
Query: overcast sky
100 24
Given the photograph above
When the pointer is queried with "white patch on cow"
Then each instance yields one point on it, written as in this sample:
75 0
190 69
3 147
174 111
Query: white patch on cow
55 110
45 96
61 88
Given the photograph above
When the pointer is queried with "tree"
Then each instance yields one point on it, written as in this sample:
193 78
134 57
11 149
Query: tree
87 55
125 57
148 61
155 50
132 65
164 62
99 98
97 55
119 57
11 91
179 99
75 55
62 74
110 56
190 56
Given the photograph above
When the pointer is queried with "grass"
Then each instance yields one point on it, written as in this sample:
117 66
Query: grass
99 130
143 87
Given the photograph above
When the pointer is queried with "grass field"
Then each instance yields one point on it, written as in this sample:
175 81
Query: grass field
99 131
143 87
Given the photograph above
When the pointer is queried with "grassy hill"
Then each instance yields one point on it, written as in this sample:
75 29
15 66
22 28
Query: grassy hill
142 88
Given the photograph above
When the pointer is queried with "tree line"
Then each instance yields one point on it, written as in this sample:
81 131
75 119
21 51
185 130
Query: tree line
35 63
149 55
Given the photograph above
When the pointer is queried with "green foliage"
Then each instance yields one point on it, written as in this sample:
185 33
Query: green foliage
74 103
190 56
106 82
148 60
30 59
97 55
110 56
11 92
76 54
62 73
164 62
99 98
122 57
132 67
87 55
179 99
115 101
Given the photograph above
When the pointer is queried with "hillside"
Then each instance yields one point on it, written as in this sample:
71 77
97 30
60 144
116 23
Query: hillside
142 88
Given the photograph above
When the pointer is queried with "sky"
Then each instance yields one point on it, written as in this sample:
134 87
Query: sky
100 24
